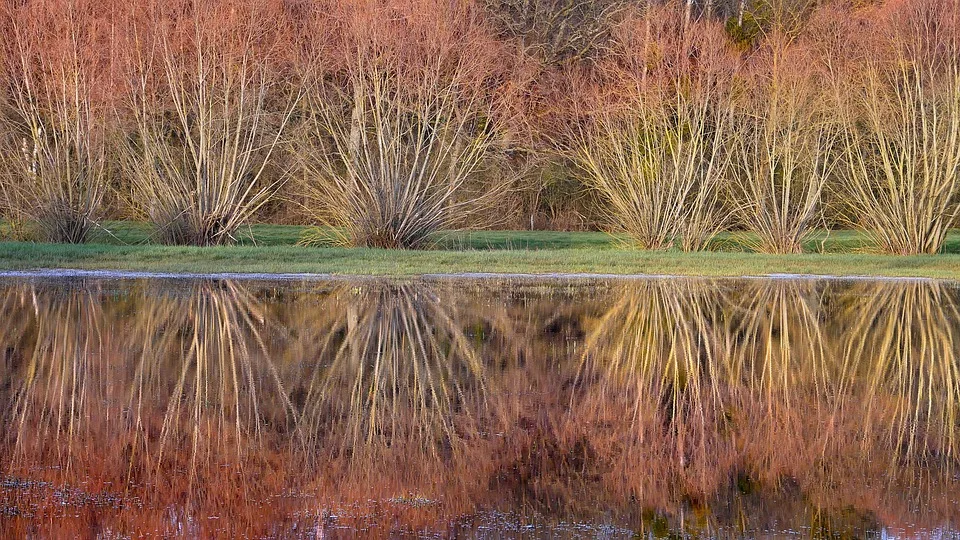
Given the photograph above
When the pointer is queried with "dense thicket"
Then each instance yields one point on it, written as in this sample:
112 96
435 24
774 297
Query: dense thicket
387 120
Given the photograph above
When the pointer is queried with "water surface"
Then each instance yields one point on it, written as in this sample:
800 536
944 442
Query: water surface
479 407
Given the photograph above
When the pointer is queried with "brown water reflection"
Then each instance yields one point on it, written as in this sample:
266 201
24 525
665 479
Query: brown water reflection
479 408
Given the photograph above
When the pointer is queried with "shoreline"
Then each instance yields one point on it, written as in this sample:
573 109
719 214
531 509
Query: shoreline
75 273
497 254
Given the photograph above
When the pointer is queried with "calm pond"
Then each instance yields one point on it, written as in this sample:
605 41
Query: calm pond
479 407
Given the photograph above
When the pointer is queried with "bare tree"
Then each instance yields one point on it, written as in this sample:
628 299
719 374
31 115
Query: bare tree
558 30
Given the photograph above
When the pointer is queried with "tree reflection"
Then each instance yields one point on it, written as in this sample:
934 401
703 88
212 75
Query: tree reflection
394 368
704 407
150 397
845 391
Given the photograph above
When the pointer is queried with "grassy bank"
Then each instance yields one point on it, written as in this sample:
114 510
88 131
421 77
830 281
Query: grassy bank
132 233
271 248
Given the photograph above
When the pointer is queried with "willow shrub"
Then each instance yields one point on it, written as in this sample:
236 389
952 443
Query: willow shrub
398 131
658 173
206 128
783 148
656 155
902 142
53 176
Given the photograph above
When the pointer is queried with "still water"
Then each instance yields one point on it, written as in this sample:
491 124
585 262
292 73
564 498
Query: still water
479 408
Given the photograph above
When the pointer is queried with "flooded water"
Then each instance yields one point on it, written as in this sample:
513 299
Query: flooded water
479 408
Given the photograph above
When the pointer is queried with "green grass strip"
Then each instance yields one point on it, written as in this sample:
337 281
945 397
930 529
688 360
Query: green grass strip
293 259
272 249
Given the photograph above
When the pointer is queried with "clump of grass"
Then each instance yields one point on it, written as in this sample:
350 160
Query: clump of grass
397 138
902 143
53 177
205 132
